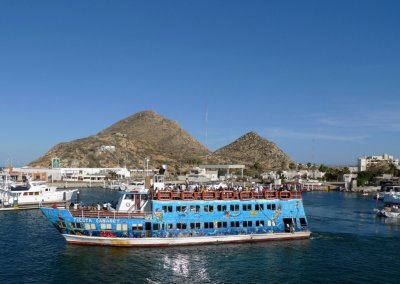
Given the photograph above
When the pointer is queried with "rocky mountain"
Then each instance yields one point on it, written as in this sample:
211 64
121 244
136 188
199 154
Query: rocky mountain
253 151
129 142
148 135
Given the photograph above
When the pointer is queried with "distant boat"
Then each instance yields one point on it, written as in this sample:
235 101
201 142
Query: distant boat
391 203
116 185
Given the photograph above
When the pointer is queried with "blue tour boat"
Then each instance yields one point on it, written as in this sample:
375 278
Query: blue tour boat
160 217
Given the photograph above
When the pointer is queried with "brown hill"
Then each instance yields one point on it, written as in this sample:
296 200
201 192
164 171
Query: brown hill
145 134
253 151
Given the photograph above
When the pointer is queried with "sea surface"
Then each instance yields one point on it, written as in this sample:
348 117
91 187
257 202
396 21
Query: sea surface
349 244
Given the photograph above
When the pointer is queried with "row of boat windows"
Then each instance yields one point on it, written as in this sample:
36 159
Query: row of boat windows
92 226
217 208
206 225
171 226
30 193
180 226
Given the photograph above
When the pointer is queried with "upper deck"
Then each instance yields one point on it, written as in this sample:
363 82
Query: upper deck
225 195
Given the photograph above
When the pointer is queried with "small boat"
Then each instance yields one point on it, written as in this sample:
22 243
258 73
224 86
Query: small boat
161 217
117 185
391 205
388 210
34 193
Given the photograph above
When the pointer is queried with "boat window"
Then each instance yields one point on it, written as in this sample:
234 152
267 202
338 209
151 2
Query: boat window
76 226
247 223
271 206
90 226
208 225
61 224
259 207
181 209
170 226
246 207
235 224
222 224
303 222
137 227
194 208
105 227
122 227
156 227
221 208
234 207
208 208
195 225
181 226
36 193
167 209
129 196
259 223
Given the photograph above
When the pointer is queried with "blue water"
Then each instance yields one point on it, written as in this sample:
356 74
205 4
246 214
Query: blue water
349 244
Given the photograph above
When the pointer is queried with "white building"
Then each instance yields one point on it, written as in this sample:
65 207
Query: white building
74 174
107 148
294 174
368 161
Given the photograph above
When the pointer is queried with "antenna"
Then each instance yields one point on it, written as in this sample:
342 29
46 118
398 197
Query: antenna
206 126
313 151
206 121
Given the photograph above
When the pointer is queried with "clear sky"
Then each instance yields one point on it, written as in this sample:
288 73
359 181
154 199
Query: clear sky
319 78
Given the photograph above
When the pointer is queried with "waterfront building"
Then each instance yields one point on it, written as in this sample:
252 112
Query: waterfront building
367 161
68 174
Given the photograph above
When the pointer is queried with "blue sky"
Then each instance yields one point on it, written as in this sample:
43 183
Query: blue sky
318 78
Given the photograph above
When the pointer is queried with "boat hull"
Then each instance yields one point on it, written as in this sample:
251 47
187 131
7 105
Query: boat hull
154 242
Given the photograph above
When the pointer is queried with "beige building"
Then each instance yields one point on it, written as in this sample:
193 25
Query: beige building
368 161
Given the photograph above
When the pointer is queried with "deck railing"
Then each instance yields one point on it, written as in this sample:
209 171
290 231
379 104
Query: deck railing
88 213
226 195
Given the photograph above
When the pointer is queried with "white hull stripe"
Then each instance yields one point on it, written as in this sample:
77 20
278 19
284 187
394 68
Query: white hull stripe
143 242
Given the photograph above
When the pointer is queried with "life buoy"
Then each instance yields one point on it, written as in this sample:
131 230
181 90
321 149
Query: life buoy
128 204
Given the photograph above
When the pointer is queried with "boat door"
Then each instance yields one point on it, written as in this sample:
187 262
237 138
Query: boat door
147 228
289 224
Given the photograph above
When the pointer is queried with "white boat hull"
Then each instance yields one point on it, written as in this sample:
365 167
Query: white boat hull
57 197
148 242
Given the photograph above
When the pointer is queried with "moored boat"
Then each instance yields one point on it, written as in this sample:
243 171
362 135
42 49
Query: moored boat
34 193
166 218
391 203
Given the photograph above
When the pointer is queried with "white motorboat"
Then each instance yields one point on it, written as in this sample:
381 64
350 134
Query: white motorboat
34 193
391 203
